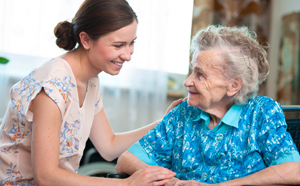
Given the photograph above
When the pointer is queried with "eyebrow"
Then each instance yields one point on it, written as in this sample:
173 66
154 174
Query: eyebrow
123 42
196 68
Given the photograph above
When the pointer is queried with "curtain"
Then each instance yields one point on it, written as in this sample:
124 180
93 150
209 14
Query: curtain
254 14
135 97
3 90
288 82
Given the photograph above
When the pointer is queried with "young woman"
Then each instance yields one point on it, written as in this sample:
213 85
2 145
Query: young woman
57 107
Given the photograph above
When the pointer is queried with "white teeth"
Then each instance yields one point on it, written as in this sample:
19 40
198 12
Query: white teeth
120 64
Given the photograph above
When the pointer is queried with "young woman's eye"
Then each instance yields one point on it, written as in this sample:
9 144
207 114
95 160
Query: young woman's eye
118 46
132 43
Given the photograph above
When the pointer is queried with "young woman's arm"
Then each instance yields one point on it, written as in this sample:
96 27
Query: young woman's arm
111 145
45 153
45 146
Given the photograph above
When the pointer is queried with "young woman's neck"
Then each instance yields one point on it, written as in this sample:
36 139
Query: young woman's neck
80 65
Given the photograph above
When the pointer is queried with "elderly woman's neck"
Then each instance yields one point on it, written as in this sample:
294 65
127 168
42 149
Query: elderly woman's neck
216 115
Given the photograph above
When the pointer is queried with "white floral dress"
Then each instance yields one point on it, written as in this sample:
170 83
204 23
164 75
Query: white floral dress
57 79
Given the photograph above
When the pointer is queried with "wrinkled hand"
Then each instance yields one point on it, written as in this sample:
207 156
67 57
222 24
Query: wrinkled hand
174 104
190 183
150 175
171 182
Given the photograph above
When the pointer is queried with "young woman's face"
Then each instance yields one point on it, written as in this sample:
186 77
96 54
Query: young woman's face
112 50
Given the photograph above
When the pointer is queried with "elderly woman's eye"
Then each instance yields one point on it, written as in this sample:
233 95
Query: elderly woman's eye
199 74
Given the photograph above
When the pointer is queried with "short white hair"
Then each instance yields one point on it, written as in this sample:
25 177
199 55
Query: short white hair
243 56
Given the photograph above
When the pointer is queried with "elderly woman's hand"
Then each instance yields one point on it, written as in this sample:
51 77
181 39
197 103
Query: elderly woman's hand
171 182
191 183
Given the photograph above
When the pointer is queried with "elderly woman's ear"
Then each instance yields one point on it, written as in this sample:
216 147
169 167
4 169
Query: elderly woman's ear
234 86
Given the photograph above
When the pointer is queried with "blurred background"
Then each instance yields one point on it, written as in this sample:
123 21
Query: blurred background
135 97
154 77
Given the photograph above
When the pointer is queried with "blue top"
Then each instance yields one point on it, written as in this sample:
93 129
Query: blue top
248 139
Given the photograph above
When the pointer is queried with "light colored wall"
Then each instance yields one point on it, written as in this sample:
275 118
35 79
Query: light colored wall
279 8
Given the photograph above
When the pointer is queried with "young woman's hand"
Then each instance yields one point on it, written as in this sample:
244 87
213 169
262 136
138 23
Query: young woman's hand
174 104
150 175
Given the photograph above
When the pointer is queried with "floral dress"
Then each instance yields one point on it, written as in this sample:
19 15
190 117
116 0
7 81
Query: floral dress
57 80
249 138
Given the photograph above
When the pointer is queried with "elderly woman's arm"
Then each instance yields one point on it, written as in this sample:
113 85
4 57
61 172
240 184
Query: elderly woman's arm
285 173
129 163
282 174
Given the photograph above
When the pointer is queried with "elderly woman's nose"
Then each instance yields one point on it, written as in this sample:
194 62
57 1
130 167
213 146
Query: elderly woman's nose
188 82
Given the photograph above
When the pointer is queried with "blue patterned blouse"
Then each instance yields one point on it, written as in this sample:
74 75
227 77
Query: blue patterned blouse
248 139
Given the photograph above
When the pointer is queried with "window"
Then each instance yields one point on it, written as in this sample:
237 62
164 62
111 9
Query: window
26 28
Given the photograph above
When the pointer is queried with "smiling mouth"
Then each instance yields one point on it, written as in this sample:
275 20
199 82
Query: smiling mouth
191 92
120 64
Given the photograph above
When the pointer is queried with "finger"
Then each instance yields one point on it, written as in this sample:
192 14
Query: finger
176 102
179 183
157 168
165 170
157 174
161 182
185 98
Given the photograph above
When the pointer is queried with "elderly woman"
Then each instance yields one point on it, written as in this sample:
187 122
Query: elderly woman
222 133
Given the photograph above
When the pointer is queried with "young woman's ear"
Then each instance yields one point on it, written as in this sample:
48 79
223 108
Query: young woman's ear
85 40
234 87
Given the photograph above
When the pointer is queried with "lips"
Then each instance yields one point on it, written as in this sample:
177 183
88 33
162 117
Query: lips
192 92
117 63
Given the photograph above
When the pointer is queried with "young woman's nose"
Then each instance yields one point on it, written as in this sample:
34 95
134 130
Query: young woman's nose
126 55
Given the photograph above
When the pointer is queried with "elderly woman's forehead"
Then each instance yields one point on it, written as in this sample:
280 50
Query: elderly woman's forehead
206 56
207 53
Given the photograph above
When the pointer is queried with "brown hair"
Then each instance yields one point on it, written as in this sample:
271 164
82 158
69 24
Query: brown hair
96 18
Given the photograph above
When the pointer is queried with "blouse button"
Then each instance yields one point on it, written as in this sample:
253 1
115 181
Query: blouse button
204 175
219 138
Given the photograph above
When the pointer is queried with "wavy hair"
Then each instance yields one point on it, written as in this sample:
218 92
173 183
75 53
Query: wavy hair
243 56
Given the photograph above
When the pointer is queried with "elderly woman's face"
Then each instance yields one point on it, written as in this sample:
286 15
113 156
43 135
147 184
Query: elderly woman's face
207 86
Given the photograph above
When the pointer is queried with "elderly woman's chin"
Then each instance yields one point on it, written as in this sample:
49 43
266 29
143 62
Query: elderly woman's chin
192 102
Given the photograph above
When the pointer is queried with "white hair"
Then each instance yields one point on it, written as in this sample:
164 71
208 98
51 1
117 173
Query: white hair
243 56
